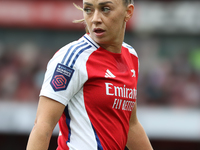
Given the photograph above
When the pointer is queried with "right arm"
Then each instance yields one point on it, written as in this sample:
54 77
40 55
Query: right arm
48 113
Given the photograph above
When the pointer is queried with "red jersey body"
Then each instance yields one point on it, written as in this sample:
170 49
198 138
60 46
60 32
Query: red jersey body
99 94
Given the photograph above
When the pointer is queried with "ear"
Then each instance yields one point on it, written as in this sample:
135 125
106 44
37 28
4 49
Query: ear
129 12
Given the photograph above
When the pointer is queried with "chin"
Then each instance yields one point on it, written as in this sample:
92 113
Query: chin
102 40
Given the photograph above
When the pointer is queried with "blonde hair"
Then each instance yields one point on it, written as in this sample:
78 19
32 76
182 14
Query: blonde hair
80 20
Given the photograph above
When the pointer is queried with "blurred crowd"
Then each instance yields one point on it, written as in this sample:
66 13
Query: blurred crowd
172 80
163 81
21 72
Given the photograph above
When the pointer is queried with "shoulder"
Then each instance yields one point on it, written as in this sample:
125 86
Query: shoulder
59 55
63 50
130 48
69 53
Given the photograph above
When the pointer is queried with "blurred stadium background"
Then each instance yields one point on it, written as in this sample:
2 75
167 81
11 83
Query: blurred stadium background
166 36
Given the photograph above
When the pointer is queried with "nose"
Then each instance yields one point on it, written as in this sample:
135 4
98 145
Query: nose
96 17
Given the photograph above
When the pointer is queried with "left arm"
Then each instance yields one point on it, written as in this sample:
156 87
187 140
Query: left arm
137 138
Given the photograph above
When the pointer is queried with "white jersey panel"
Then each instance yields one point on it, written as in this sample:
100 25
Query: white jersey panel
80 125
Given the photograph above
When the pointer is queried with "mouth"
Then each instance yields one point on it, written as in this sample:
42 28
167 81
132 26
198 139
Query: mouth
98 30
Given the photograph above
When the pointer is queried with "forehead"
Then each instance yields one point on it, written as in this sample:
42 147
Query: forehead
97 2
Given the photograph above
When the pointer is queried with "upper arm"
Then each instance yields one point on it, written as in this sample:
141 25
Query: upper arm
49 111
133 119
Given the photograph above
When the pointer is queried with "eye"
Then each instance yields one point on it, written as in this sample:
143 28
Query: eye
87 10
105 9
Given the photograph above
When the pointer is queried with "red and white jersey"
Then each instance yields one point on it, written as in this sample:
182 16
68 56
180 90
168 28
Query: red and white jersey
99 90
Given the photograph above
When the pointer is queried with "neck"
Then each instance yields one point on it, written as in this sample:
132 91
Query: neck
114 48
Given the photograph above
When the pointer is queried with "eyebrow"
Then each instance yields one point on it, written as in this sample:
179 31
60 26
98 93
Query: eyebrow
86 3
102 3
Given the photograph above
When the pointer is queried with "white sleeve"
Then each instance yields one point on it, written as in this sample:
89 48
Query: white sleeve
61 82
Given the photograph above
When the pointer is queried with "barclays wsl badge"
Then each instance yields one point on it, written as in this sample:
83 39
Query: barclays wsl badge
61 77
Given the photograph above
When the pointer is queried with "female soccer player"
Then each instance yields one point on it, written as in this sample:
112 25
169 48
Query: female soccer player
90 87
